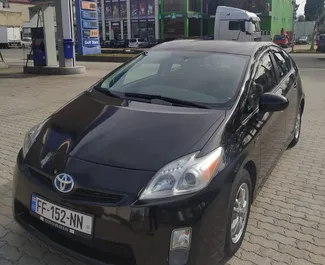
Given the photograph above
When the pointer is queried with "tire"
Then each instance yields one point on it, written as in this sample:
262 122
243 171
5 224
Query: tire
297 131
243 181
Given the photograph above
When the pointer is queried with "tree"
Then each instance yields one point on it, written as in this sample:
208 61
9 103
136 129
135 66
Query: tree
301 18
313 9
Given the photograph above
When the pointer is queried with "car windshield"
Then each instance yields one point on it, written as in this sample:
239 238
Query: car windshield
257 26
133 40
198 77
141 40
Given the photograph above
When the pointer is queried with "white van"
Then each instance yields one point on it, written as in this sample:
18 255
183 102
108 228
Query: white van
236 24
136 43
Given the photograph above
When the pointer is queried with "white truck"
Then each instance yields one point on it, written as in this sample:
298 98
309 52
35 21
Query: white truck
236 24
10 37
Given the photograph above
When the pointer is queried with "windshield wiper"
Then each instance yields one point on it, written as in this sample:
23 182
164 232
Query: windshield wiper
107 92
173 101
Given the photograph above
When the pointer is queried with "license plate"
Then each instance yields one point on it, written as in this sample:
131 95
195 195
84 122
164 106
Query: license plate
60 217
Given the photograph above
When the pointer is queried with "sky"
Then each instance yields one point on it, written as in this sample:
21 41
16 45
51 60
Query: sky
301 7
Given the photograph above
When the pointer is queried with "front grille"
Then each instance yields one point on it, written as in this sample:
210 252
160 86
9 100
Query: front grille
79 194
105 251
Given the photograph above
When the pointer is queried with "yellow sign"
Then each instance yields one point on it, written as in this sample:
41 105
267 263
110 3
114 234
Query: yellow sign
89 5
94 33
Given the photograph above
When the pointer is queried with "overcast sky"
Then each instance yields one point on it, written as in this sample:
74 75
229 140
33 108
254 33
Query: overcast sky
301 7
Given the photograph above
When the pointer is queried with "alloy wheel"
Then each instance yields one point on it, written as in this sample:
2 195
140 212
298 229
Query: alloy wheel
297 126
240 212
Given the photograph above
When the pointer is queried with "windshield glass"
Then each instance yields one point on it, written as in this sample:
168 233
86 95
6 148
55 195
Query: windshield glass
257 26
200 77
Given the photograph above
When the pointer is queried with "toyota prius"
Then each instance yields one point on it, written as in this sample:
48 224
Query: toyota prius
159 161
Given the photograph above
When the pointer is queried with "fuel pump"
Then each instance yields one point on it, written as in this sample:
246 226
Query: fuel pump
38 47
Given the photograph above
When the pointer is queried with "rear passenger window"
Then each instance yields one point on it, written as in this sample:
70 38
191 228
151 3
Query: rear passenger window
281 64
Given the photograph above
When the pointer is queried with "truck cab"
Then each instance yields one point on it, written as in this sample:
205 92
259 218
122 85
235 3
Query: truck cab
236 24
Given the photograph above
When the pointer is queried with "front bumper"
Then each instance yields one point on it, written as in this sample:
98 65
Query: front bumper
127 234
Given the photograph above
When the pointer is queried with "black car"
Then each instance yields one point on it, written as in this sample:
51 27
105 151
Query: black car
158 162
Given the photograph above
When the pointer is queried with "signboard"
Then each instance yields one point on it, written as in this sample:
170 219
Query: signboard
86 5
116 25
87 25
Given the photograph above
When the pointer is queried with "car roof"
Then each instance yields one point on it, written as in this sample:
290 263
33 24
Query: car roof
213 46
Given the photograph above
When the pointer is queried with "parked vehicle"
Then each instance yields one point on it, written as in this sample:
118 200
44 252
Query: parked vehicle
136 43
106 44
168 156
321 43
302 40
26 43
148 43
121 44
236 24
9 37
282 41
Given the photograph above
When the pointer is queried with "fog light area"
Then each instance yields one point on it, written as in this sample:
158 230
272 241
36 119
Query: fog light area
180 246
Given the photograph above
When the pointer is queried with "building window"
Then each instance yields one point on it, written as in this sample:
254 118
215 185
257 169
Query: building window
194 27
174 5
135 29
134 9
195 5
174 28
108 9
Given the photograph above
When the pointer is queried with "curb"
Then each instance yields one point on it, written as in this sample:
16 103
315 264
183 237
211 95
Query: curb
48 70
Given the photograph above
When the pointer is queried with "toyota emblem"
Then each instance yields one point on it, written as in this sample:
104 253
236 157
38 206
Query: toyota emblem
64 183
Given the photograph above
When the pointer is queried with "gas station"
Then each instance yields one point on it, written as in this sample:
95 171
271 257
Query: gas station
52 30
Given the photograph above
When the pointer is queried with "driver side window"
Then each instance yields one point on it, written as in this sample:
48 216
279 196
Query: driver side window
263 81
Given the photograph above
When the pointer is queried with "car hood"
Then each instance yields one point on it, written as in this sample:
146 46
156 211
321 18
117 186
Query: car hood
126 134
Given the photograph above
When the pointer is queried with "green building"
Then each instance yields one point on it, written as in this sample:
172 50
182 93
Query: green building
183 19
276 14
195 18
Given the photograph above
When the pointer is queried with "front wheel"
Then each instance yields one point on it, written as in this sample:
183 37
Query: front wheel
239 209
297 130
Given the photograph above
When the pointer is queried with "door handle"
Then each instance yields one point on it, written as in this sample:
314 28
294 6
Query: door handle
295 85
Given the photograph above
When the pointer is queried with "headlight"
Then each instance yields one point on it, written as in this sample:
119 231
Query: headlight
31 137
182 176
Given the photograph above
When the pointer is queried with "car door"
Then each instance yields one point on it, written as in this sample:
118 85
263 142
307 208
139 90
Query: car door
273 131
288 80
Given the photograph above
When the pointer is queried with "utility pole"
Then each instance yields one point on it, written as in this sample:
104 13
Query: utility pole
294 16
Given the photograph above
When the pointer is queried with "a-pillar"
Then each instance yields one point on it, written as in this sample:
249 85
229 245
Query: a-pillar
65 29
49 35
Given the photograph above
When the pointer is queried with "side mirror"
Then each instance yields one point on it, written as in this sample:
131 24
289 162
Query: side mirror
270 102
248 27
